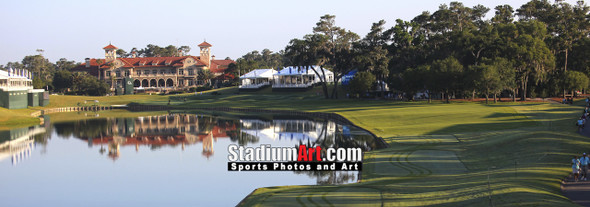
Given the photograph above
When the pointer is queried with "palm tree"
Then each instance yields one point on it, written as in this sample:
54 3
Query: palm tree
77 79
206 75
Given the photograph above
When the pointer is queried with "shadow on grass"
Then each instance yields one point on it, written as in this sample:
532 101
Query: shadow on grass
465 128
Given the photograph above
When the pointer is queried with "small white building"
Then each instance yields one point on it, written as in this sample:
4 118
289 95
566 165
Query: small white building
15 79
301 77
257 78
16 90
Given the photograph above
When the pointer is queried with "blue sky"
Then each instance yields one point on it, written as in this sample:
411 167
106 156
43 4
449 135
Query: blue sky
79 29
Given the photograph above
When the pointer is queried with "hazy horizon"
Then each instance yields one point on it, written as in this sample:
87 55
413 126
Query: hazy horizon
79 29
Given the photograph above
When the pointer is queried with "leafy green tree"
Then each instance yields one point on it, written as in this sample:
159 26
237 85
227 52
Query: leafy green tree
77 79
90 85
257 60
535 9
488 80
156 51
371 54
566 24
232 69
41 68
418 79
38 83
448 76
206 76
580 60
504 14
575 80
62 80
335 51
532 56
122 53
64 64
361 83
310 51
507 74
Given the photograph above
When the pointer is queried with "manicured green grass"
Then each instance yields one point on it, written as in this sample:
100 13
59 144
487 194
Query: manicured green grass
22 117
81 115
65 100
10 118
524 148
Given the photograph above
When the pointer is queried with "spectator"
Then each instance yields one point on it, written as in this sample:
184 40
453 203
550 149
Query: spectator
575 168
584 160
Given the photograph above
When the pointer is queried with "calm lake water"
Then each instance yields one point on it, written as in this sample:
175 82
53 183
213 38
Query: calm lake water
175 159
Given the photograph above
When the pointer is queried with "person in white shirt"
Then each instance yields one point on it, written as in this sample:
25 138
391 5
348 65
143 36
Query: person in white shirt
576 168
584 160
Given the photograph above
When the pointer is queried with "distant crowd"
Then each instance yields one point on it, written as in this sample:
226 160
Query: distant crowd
585 115
580 164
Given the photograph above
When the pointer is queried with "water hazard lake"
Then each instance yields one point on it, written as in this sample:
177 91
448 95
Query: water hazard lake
158 159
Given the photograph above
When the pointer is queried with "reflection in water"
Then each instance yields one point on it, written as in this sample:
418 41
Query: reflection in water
288 129
152 131
182 148
324 133
188 129
110 135
17 144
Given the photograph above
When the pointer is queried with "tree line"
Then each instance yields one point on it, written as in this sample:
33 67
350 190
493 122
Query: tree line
57 76
537 50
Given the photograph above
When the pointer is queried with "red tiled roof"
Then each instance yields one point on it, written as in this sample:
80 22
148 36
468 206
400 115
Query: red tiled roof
216 67
223 62
92 69
225 76
140 62
219 66
110 46
205 44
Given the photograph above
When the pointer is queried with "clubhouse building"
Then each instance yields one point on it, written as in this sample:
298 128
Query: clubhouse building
126 75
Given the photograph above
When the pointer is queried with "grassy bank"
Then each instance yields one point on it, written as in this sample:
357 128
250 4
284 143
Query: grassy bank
16 118
22 117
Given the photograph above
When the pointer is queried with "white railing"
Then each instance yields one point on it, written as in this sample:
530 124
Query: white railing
290 85
255 85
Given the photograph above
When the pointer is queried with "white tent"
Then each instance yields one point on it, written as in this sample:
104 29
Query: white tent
300 77
257 78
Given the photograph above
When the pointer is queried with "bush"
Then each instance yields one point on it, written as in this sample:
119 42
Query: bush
361 83
199 89
90 85
203 88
